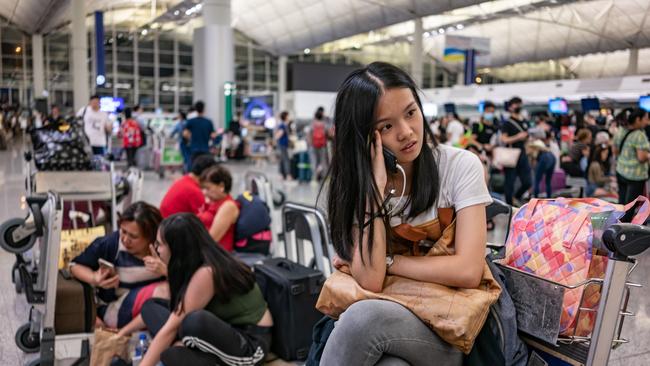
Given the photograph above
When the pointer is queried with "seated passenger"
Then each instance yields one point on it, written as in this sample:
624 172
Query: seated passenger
574 164
219 214
216 308
600 182
136 272
378 106
185 194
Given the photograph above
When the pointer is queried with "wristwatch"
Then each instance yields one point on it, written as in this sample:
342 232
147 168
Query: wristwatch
389 261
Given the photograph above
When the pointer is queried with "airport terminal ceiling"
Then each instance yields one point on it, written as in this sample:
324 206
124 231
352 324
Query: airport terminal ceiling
519 30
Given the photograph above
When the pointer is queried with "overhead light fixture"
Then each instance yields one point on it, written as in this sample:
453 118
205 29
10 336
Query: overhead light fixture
450 29
441 30
478 80
144 32
459 26
177 12
410 38
18 49
307 51
426 34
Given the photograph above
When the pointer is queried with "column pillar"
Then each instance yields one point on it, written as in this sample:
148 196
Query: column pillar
79 54
633 62
136 69
213 59
115 77
282 82
37 65
416 53
177 87
156 71
251 69
23 89
267 73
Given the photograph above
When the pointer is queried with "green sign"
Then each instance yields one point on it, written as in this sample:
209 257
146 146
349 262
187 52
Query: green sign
229 92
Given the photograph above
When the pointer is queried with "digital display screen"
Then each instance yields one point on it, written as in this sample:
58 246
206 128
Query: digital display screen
258 109
111 105
450 108
558 106
644 103
590 104
481 107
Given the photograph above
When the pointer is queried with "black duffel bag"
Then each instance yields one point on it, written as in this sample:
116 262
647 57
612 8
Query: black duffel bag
61 148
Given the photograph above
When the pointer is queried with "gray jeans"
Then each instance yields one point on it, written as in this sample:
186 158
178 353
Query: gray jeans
378 332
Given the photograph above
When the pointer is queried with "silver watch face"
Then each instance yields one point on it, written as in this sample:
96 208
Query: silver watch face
389 260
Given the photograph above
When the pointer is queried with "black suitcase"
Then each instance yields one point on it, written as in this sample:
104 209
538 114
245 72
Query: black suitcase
291 291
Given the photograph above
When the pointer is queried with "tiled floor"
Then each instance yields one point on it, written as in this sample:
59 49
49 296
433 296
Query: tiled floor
14 310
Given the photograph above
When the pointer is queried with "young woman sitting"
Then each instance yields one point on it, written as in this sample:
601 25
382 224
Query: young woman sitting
216 309
123 266
378 107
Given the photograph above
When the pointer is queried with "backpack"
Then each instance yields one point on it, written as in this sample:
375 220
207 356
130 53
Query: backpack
252 229
318 135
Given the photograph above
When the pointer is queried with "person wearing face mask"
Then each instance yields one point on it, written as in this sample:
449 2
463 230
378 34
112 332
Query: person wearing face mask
515 134
483 131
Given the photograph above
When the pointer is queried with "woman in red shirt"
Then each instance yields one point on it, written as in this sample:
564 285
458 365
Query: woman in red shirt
219 214
131 137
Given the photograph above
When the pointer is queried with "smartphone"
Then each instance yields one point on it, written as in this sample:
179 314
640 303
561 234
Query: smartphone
390 160
106 264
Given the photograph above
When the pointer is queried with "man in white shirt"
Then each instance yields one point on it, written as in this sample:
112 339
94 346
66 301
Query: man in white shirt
455 131
97 125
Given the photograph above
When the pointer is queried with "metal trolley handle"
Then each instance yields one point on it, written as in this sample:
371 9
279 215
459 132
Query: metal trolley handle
623 241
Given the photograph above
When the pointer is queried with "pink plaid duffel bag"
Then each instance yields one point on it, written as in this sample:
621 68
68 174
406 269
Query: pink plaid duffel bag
553 240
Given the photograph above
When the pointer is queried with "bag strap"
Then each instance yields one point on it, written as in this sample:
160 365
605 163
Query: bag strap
445 217
644 210
620 147
574 228
509 120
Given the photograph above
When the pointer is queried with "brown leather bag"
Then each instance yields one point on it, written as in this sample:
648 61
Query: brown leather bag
455 314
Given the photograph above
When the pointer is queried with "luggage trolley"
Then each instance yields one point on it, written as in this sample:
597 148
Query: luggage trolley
539 321
17 236
40 274
303 223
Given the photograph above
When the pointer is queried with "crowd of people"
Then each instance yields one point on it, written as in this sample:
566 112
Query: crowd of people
591 147
175 272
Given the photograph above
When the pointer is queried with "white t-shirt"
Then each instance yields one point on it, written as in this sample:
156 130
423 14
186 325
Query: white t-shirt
461 184
95 123
455 131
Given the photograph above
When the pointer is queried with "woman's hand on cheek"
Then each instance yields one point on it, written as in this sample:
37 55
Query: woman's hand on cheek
341 264
378 166
154 264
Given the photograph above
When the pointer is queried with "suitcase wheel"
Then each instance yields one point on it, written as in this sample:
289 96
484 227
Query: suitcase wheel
27 341
6 240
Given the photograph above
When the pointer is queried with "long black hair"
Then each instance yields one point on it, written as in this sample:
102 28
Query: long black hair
352 184
628 116
191 247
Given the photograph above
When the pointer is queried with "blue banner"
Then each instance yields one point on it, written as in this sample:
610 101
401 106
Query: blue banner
100 57
470 66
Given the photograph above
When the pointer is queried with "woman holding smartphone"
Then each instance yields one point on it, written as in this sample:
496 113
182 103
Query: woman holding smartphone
123 266
216 314
378 107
